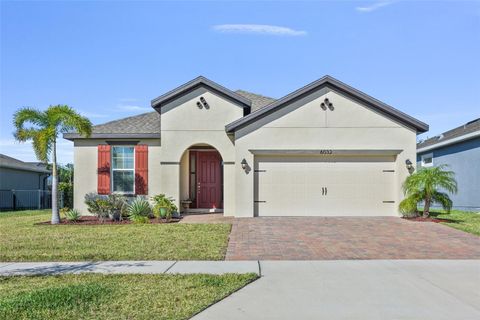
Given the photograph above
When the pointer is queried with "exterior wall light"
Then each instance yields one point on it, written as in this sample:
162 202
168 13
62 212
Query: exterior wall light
199 105
409 164
244 164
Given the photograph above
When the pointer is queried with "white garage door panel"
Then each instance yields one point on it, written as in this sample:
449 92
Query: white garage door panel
293 187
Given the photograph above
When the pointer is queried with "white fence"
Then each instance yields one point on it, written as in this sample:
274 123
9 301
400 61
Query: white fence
27 199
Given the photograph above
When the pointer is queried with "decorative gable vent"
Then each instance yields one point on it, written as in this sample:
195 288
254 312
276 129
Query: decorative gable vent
326 104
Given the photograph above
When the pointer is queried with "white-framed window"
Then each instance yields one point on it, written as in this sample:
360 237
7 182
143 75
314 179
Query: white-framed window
123 169
427 160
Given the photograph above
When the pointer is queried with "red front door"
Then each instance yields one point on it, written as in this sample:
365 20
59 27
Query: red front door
209 180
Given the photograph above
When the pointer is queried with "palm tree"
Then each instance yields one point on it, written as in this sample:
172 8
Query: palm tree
424 185
45 126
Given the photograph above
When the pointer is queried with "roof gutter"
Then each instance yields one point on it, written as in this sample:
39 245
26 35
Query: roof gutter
73 136
445 143
22 168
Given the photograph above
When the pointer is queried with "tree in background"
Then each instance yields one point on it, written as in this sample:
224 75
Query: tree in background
44 128
425 185
65 184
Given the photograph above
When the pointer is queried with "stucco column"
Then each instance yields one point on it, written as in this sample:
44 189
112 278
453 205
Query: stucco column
170 180
244 191
229 188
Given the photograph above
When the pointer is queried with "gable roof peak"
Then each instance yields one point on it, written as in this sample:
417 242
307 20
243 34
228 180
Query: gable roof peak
335 84
195 83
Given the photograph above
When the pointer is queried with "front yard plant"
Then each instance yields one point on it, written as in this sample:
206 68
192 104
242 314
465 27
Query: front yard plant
105 207
42 128
164 207
425 186
139 211
72 215
102 297
22 239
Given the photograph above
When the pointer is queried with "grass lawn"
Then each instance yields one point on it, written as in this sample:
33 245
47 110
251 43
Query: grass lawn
21 240
462 220
96 296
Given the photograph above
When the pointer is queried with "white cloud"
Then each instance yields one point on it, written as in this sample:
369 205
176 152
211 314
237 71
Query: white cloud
130 108
24 150
375 6
89 114
258 29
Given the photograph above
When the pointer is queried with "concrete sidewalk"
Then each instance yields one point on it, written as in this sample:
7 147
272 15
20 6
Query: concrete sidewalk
342 289
373 289
119 267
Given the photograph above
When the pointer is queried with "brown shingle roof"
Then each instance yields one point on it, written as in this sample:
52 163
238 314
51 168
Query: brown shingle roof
149 123
258 101
142 125
469 127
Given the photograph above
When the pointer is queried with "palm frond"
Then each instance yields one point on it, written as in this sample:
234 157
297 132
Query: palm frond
443 199
42 143
67 119
23 134
28 115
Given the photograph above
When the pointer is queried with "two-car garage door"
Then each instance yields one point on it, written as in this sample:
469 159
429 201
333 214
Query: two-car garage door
324 186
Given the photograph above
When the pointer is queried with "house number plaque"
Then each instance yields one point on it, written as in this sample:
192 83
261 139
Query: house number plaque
326 151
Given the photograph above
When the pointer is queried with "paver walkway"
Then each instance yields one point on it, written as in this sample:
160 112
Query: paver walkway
344 238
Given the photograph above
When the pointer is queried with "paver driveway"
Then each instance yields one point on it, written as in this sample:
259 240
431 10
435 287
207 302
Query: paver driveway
342 238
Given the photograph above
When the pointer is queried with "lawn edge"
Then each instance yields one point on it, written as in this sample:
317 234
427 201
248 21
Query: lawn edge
228 295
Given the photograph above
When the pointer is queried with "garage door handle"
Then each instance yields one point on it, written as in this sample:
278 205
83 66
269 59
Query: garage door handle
326 190
323 191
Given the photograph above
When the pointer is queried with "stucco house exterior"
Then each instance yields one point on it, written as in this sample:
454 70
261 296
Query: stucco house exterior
325 149
458 148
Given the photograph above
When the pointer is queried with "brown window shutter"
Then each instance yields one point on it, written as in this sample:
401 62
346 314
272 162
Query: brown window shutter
141 169
103 170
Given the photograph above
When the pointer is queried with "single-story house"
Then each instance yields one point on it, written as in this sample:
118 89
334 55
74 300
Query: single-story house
325 149
458 148
23 185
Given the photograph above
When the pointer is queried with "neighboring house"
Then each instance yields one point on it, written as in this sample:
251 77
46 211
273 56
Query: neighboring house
23 185
458 148
326 149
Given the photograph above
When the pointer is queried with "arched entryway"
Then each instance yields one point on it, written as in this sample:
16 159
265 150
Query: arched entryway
201 178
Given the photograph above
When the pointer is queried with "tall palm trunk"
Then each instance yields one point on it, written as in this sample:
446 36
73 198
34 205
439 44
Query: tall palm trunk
426 208
55 215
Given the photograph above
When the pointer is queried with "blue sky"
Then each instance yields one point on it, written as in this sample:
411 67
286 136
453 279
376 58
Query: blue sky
109 59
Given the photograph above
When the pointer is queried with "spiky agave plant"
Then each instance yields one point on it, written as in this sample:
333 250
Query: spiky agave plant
139 210
43 128
425 185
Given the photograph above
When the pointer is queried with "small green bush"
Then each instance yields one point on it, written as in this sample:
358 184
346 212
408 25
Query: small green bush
161 201
139 211
73 215
104 206
408 207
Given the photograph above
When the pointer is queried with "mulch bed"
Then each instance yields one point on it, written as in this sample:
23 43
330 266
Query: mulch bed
90 220
429 219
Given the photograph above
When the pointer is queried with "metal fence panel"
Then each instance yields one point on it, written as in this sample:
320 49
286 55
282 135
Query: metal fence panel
27 199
